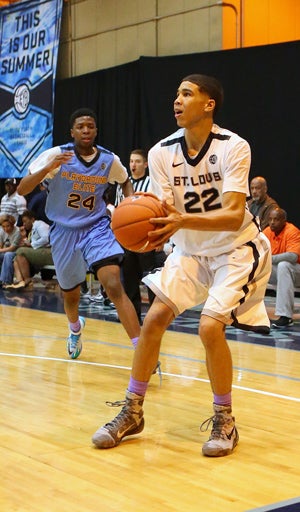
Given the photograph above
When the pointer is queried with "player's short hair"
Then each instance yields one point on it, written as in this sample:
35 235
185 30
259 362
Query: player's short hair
210 86
80 112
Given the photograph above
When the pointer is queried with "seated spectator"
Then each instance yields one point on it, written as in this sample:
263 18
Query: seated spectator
285 246
10 239
12 203
260 203
35 252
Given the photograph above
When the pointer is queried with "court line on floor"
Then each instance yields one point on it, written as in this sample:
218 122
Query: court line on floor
166 354
120 367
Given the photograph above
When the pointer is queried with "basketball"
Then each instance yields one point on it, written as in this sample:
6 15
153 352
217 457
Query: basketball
130 221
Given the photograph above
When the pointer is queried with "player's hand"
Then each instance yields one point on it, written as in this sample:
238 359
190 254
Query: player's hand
54 165
60 159
165 226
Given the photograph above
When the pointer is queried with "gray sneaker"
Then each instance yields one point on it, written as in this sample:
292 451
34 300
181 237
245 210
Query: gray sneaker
128 422
224 435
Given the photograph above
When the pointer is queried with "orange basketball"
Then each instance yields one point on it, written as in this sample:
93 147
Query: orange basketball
130 221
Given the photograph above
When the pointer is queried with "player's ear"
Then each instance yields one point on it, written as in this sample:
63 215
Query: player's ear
72 133
210 105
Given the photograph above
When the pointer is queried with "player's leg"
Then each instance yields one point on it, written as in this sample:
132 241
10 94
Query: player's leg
236 297
175 290
71 300
104 255
70 269
224 436
218 355
71 303
130 420
109 276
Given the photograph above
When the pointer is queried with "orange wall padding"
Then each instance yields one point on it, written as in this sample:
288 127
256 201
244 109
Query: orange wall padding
264 22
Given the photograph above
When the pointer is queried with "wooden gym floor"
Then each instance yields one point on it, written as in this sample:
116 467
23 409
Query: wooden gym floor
51 406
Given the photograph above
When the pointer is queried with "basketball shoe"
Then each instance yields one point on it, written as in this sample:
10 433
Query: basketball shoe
224 435
128 422
74 342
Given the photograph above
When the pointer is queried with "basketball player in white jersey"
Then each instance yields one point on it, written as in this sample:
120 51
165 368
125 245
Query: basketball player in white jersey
77 175
220 259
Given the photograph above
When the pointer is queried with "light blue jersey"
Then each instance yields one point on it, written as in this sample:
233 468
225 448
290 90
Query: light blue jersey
80 235
75 197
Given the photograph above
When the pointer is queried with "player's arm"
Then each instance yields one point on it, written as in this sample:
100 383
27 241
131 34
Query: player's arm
46 164
118 174
227 218
127 188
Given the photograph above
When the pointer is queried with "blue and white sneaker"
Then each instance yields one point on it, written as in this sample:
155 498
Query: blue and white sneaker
74 342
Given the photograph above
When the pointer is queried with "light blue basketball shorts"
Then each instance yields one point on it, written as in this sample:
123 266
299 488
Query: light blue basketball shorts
76 250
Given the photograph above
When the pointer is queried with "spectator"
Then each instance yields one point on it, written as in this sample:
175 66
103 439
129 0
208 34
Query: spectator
10 238
135 264
285 246
260 203
12 203
35 252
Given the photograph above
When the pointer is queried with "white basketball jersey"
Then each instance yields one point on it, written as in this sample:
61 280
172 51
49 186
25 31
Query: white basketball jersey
196 185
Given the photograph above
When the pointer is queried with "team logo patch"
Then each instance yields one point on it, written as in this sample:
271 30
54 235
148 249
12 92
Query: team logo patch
213 159
103 166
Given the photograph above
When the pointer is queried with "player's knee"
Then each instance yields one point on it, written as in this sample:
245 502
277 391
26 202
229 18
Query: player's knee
158 317
210 330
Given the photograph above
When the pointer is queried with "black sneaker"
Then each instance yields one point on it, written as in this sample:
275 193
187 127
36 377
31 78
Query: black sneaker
281 322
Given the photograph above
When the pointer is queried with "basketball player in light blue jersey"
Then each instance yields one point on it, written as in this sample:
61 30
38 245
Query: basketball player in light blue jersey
76 176
220 258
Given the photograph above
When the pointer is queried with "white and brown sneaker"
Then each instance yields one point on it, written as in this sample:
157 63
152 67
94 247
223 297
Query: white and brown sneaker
224 435
128 422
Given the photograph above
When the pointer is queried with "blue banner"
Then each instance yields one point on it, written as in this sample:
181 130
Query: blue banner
29 40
